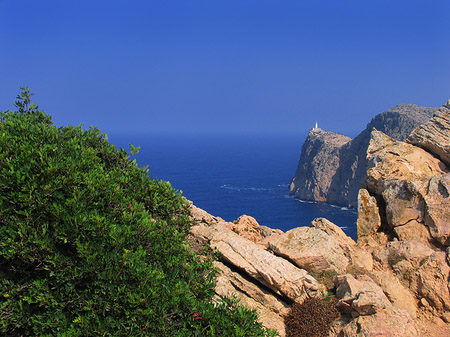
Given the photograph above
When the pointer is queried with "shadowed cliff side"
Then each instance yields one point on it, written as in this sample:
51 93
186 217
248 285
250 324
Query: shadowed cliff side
318 163
333 171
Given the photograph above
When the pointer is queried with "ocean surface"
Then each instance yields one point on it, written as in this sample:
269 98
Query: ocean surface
231 175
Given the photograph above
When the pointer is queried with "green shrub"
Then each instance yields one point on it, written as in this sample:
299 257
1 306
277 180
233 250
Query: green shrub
90 245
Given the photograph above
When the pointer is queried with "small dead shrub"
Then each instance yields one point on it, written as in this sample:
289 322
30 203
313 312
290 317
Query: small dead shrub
312 318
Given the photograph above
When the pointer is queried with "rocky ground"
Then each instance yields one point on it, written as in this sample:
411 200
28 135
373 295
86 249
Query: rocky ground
394 281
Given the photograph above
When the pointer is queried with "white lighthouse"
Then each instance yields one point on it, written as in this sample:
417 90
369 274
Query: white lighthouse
316 126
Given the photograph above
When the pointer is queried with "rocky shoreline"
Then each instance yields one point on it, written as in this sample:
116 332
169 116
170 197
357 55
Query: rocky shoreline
394 281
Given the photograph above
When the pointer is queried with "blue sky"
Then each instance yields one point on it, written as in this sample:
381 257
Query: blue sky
206 66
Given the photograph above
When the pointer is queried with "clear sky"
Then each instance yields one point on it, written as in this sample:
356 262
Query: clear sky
229 66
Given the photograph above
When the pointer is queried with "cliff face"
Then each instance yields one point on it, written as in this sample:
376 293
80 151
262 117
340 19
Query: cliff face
333 171
318 163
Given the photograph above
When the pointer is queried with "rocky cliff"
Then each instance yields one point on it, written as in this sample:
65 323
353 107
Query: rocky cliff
319 161
394 281
332 166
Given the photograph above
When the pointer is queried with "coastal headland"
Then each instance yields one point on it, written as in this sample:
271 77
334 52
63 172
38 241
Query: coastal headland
394 279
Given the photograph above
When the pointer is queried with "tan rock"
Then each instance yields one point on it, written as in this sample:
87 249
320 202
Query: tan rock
373 241
405 259
437 202
311 248
413 230
253 290
404 201
390 159
270 309
414 252
333 230
274 272
431 281
413 184
362 259
397 294
364 296
368 303
369 220
267 231
386 323
434 136
357 256
201 216
247 227
372 312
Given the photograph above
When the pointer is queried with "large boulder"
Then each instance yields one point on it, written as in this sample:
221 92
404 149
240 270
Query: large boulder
319 248
437 216
432 282
369 220
386 323
271 309
389 159
414 186
413 252
372 312
311 249
434 136
272 271
247 227
359 297
395 291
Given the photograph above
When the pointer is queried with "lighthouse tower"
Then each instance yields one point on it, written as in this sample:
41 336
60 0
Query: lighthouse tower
316 127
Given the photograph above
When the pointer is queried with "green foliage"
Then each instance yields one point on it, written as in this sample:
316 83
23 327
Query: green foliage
24 102
26 106
90 245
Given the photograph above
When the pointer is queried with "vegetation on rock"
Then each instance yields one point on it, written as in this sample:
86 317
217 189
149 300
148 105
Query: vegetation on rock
90 245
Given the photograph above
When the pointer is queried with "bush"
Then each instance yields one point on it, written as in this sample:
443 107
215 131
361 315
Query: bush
90 245
312 318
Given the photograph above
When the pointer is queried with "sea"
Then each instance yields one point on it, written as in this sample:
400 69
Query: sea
232 175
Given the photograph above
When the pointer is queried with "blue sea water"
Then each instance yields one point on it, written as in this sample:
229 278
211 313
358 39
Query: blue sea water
231 175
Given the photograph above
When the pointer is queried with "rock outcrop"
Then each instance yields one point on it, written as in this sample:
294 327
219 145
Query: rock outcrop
394 281
318 163
277 274
434 136
332 166
369 220
409 182
271 308
319 250
413 184
248 271
383 289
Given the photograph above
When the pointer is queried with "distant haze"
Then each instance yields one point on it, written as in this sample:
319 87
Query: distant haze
224 66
